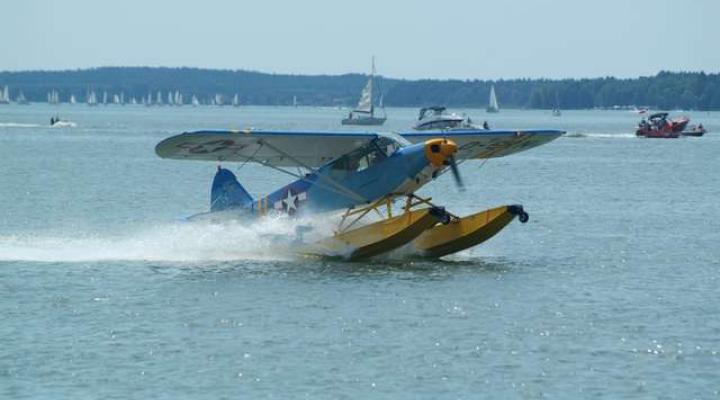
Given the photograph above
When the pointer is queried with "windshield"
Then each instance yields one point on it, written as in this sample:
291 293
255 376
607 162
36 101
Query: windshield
368 155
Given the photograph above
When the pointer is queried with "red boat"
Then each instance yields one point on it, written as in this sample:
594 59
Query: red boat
658 126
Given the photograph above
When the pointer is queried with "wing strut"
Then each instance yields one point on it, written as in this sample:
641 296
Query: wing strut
337 185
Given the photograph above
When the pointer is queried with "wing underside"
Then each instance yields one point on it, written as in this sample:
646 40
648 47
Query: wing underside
276 148
313 149
481 143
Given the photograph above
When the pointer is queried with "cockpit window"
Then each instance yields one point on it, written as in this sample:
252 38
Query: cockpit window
366 156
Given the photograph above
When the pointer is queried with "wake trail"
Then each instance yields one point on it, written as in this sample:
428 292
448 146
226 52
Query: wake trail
575 135
271 238
20 125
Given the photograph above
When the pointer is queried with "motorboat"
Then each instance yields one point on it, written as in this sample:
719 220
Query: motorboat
56 122
697 130
658 126
437 117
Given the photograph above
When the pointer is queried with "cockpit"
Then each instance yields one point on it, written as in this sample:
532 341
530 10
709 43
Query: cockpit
370 154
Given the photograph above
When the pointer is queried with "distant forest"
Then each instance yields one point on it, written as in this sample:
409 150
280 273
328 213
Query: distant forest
666 90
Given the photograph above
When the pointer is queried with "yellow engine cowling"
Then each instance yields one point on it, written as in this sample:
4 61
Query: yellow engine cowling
438 151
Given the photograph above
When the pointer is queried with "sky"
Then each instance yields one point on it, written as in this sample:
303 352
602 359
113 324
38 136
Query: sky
410 39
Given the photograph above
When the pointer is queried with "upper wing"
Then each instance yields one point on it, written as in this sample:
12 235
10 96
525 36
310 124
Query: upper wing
277 148
482 143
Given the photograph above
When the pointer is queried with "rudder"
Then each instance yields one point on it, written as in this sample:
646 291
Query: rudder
226 192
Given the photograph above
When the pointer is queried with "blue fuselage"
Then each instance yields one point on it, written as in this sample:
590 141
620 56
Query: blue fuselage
357 178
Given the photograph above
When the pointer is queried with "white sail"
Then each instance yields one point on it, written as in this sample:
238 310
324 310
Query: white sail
195 101
365 103
235 101
493 104
158 98
53 97
91 98
5 95
72 99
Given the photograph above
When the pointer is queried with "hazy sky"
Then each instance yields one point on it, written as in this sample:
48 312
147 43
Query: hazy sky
410 39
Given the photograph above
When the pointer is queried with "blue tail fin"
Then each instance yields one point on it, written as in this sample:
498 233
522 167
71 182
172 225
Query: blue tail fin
227 192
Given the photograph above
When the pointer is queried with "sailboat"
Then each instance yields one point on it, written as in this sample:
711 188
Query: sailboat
493 104
72 99
53 97
295 103
5 96
236 101
91 98
364 113
195 101
20 99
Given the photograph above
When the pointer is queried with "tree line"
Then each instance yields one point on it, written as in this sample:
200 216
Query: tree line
666 90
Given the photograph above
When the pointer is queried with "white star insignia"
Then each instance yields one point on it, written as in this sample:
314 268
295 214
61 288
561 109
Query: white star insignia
290 201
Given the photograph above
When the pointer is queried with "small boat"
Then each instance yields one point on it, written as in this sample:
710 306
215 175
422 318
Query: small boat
435 117
20 99
56 122
556 111
697 131
53 97
658 126
364 113
5 95
493 106
91 98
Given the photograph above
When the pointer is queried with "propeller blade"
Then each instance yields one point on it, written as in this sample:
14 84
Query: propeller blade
456 173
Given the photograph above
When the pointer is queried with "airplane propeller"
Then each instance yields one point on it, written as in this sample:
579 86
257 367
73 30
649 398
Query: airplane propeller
456 173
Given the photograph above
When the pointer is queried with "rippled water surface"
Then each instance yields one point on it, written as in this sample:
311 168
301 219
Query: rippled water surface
611 290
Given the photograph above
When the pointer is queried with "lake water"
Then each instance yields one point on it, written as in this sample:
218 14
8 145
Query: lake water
611 290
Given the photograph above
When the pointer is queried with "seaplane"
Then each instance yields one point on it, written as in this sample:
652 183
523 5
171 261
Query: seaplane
364 182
